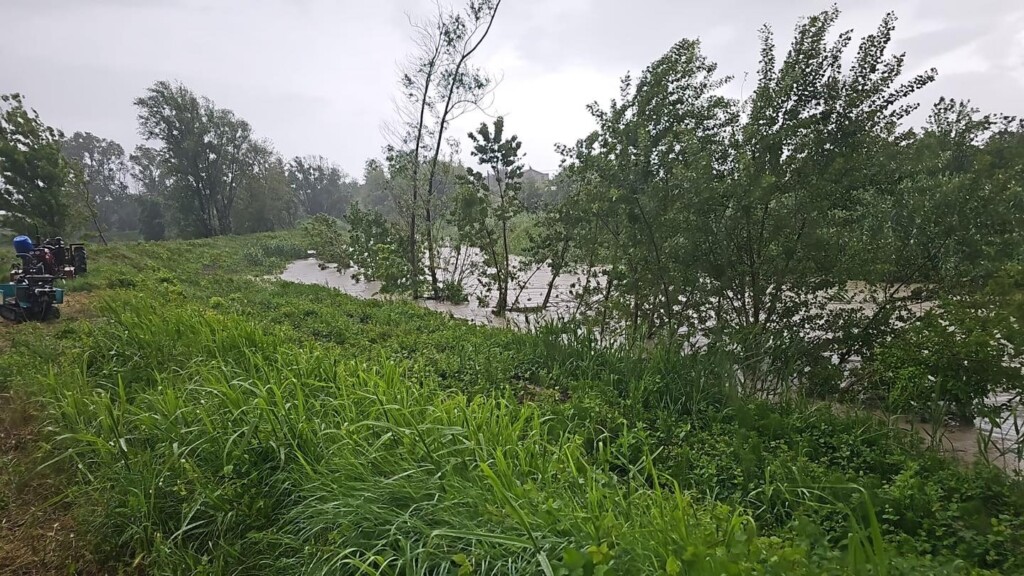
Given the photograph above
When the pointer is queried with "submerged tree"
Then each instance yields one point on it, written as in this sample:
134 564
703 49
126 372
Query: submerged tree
489 202
741 219
438 84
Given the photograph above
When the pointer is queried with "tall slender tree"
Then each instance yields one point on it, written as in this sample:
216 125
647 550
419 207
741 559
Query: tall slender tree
491 201
438 84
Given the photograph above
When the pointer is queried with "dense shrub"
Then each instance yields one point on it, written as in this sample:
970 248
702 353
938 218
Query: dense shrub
947 363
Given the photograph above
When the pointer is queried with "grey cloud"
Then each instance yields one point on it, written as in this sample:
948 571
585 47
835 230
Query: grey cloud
317 76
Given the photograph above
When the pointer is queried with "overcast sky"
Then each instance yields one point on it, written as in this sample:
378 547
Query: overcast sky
317 76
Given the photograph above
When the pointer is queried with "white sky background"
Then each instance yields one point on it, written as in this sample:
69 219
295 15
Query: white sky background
318 76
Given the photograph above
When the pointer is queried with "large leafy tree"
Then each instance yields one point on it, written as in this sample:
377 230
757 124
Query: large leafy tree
37 183
320 186
663 142
206 151
266 201
105 173
813 152
741 219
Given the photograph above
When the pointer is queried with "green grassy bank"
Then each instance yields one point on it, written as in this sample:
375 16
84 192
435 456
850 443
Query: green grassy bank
190 418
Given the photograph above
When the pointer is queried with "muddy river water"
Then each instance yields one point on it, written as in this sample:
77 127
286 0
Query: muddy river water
996 439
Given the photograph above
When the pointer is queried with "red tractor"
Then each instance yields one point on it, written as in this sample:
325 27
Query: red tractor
52 257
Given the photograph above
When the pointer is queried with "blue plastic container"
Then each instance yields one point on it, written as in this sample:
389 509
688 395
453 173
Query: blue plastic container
23 245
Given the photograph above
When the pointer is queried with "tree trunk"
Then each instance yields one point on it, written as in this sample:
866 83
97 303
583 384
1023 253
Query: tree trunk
507 273
431 253
556 270
449 106
413 260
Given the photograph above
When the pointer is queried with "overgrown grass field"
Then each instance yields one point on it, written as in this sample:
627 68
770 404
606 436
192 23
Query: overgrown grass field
198 418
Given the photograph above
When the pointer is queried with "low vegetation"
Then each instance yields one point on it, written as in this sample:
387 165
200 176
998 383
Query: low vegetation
207 421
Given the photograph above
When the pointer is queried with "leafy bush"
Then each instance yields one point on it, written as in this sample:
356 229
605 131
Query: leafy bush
947 363
326 237
375 249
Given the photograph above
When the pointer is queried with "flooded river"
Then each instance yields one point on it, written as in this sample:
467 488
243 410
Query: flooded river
531 294
995 439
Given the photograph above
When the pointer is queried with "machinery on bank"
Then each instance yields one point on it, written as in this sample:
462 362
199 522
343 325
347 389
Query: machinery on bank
52 257
31 295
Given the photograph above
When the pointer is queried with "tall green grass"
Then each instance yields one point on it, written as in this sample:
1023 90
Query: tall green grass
214 424
205 443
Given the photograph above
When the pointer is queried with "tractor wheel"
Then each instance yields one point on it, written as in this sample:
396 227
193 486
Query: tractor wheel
52 314
81 262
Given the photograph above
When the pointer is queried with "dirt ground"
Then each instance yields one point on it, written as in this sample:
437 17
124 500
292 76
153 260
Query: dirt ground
38 535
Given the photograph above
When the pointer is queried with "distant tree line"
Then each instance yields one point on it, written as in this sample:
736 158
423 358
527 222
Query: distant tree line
201 173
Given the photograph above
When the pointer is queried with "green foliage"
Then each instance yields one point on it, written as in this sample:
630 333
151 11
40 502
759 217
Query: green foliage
292 422
745 225
266 252
265 201
205 151
438 83
375 251
151 219
36 181
319 186
104 172
324 233
487 205
214 422
948 362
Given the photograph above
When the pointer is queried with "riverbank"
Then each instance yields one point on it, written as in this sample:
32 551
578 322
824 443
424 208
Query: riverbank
989 439
301 430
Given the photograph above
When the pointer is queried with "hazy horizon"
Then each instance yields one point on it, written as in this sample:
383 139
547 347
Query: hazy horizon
318 77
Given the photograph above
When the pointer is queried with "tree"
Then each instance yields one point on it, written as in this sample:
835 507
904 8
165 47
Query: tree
104 174
154 187
266 201
660 144
148 173
151 219
320 186
554 241
489 202
460 87
205 150
36 181
742 220
813 153
438 84
373 192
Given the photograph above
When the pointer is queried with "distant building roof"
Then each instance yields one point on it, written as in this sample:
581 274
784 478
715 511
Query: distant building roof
533 174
